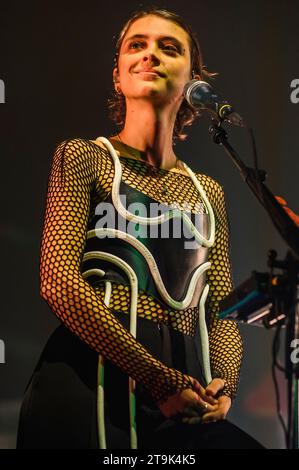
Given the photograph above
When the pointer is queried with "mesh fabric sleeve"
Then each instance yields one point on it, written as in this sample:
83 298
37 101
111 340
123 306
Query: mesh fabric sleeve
75 168
226 345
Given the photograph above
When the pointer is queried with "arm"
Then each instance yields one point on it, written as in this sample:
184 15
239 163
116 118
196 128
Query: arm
226 346
75 168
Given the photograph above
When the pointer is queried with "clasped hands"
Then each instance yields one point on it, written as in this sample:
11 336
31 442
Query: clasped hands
198 404
207 408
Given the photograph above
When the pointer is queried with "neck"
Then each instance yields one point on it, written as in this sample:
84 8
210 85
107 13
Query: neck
151 134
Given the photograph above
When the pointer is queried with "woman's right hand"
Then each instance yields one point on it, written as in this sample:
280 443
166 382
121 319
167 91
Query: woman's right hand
190 402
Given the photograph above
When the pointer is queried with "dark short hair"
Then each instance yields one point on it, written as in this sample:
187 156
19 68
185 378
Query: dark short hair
186 113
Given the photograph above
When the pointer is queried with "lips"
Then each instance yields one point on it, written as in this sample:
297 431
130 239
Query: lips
153 71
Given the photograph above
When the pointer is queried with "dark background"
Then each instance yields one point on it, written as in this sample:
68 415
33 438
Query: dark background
56 62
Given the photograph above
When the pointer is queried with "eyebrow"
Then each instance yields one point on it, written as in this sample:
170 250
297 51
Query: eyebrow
162 38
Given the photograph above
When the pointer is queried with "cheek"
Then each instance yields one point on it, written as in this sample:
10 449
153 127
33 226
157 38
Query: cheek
126 75
180 76
180 71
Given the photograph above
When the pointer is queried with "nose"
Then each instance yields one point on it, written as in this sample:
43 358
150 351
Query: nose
151 55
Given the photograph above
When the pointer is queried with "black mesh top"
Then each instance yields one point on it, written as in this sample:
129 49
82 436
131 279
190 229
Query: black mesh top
81 176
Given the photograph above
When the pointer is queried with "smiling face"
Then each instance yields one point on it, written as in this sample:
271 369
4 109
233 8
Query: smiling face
154 61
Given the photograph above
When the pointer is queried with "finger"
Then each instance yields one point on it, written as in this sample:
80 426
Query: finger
210 417
207 397
200 420
198 409
204 407
196 386
215 386
202 392
190 412
210 399
195 420
213 416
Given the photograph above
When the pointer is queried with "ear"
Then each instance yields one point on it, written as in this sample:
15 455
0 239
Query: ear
115 75
116 80
197 76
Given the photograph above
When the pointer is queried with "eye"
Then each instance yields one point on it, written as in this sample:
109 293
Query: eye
136 45
171 48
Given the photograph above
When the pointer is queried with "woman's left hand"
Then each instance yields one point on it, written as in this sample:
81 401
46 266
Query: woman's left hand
223 406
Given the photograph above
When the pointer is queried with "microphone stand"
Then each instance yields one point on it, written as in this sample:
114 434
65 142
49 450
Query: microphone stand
290 233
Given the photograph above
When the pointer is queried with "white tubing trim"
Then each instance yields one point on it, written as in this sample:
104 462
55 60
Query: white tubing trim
100 372
172 213
133 327
93 272
100 404
100 232
204 337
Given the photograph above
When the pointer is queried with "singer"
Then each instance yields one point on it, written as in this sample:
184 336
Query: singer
140 358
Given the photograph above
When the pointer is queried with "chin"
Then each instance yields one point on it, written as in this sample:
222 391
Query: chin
151 90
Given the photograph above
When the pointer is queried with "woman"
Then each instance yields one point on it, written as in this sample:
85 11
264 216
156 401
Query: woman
96 276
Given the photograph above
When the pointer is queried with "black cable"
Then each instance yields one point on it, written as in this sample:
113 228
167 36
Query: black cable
275 365
256 164
276 340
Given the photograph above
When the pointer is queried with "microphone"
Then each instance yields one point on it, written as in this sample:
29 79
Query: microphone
201 95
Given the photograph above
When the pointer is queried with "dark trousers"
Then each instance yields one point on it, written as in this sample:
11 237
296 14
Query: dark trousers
59 409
